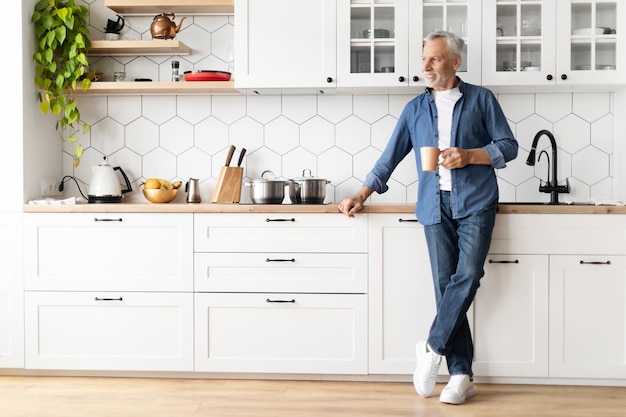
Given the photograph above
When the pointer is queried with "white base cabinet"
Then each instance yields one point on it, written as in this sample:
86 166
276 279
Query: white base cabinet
281 293
11 292
588 316
401 294
109 291
281 333
122 331
510 326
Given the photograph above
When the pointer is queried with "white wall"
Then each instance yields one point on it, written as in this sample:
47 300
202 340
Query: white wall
338 137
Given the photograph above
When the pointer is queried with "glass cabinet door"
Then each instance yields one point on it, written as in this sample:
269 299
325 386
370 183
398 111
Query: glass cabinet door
372 38
461 17
522 40
591 34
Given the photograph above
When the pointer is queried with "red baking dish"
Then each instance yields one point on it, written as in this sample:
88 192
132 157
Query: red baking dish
206 75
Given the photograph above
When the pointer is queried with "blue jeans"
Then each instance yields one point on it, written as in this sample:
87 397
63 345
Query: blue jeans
457 249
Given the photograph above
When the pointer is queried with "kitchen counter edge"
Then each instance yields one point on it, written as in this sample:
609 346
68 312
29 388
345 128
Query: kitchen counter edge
299 208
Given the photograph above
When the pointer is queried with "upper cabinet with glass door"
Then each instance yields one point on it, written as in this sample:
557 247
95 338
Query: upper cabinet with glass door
593 32
549 42
372 44
463 18
379 42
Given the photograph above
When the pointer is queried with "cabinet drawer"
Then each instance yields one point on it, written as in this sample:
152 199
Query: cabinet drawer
282 232
109 331
281 272
109 252
281 333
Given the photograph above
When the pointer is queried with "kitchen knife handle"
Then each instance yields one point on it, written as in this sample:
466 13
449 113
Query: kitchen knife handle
231 152
241 155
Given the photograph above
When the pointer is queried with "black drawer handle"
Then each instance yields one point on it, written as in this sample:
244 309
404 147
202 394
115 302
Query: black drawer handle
280 301
491 261
280 260
280 220
107 220
407 220
108 299
595 263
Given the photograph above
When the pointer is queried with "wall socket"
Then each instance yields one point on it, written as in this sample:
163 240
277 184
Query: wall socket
49 188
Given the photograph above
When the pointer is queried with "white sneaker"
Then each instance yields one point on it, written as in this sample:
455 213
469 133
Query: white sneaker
459 388
425 375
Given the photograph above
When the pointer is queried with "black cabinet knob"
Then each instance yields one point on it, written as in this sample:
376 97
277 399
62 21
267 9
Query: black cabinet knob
329 80
416 78
401 79
549 77
564 76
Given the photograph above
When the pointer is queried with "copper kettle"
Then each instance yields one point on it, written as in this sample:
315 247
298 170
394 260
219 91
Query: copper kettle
164 28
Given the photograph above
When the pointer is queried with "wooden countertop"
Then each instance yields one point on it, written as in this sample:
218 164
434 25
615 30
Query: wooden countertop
302 208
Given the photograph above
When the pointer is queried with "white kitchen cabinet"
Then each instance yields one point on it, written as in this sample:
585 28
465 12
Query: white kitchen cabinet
511 317
285 44
279 232
587 316
284 292
109 331
108 251
401 294
549 42
11 292
281 333
391 57
281 272
109 291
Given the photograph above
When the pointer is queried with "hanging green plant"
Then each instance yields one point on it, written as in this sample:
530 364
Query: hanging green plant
61 64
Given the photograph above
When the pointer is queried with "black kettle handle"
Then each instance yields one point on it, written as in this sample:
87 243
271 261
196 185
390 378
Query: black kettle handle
129 188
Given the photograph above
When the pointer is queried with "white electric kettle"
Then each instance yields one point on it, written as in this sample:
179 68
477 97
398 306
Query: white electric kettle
104 186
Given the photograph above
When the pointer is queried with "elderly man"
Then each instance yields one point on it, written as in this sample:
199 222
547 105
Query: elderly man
456 203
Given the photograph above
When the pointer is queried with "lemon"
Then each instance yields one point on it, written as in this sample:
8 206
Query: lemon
152 184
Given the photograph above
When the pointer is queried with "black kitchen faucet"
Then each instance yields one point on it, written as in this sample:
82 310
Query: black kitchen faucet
551 186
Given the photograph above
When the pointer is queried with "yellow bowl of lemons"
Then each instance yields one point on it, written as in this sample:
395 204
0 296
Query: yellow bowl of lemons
157 190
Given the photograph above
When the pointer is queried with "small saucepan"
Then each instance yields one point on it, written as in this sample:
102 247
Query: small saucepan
307 189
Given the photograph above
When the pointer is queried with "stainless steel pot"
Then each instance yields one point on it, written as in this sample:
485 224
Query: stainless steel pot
307 189
267 190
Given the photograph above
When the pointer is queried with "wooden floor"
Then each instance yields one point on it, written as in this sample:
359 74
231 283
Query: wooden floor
142 397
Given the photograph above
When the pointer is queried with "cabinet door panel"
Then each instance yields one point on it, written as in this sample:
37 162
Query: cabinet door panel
290 333
511 317
109 252
11 292
587 316
281 272
285 44
109 331
279 232
401 294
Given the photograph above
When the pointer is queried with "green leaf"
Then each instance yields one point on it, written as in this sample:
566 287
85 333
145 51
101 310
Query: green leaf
61 34
44 106
56 109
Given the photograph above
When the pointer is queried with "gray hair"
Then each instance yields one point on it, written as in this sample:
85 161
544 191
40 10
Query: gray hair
455 43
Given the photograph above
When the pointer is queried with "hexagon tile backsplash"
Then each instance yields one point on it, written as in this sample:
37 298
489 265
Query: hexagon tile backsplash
337 137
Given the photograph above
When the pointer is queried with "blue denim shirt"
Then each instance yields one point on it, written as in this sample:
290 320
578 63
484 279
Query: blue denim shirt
477 122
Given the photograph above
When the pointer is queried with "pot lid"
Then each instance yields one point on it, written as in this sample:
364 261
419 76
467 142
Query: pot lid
264 178
305 177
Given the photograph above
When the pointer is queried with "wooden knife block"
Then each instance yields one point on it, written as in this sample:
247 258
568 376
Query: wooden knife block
228 186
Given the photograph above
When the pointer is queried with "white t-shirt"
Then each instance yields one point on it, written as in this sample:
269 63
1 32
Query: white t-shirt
445 101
